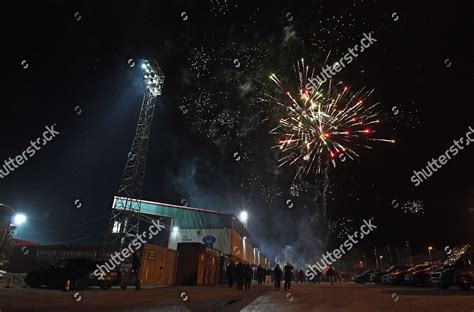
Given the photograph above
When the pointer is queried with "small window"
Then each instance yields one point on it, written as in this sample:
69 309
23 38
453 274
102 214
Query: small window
116 228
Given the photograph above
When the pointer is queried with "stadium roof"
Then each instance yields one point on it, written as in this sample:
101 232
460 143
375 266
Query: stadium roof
192 218
186 217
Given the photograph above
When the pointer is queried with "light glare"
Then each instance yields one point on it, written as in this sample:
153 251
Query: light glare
19 219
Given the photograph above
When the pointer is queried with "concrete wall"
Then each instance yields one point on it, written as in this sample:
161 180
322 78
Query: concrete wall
242 249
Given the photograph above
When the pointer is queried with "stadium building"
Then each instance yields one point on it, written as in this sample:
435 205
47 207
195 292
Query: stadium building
221 231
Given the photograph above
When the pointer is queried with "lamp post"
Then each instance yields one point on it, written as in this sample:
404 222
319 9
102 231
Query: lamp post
376 258
430 248
409 252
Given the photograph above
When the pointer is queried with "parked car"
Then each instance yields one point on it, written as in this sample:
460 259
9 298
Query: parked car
78 271
363 277
383 277
456 270
376 276
398 277
421 277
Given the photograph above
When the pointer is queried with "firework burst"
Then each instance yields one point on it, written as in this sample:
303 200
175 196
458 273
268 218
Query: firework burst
322 123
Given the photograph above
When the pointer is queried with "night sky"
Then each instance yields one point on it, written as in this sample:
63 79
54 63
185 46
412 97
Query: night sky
210 145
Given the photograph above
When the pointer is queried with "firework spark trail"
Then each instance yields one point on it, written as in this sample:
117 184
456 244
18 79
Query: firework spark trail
325 190
323 122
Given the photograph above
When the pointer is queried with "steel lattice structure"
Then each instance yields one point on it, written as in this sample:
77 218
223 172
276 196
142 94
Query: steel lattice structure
124 224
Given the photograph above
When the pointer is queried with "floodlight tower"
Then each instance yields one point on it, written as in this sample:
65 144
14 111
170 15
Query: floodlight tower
123 225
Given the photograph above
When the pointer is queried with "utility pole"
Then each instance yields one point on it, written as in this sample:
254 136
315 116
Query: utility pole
390 255
398 255
409 252
376 258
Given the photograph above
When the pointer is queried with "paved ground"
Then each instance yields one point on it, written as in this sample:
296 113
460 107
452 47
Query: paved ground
306 297
117 300
366 298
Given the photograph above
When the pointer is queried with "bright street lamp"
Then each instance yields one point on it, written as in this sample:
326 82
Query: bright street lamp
244 216
19 219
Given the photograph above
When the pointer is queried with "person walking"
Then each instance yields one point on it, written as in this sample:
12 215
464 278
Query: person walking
230 274
259 275
288 268
248 276
134 272
239 275
319 276
330 274
277 274
337 276
301 276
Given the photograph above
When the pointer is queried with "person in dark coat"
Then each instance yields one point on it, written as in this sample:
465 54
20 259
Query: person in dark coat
319 276
277 274
337 276
248 276
230 274
288 275
301 276
134 272
239 275
330 274
260 274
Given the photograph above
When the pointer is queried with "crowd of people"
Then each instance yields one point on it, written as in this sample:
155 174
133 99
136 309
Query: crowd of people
243 274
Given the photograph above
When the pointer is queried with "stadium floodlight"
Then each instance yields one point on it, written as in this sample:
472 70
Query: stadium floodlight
244 216
124 223
154 77
19 219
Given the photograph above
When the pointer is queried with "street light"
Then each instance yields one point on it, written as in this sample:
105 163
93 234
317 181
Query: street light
19 219
430 248
244 216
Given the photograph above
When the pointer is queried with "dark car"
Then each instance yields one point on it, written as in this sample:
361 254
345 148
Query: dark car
420 277
398 277
363 277
385 277
80 273
376 276
456 270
